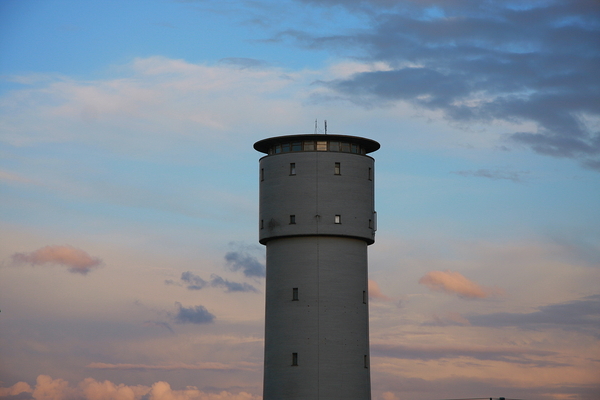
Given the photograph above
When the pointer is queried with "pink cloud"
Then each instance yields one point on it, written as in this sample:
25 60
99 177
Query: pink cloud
17 388
454 283
47 388
375 292
77 261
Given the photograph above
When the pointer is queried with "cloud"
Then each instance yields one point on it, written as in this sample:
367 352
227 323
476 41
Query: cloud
375 292
217 281
77 261
449 318
504 354
212 366
16 389
47 388
246 262
580 315
515 176
482 62
193 315
454 283
244 63
194 282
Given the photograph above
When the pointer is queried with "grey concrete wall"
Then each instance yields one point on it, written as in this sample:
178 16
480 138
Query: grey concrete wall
315 195
328 326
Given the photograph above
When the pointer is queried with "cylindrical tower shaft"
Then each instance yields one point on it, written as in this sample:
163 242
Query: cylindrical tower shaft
316 219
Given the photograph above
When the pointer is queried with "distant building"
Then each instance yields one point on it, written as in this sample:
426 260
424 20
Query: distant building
317 218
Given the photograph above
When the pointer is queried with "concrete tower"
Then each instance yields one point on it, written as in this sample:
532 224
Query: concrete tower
317 218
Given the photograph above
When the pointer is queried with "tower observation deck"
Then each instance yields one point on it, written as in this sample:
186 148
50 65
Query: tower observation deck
317 218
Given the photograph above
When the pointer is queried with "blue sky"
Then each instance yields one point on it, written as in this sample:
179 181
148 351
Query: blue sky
129 188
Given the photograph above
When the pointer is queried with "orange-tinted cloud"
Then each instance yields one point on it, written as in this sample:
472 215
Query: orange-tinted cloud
77 261
47 388
17 388
375 292
454 283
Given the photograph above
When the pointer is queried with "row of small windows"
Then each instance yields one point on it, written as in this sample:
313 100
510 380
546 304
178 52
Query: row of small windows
317 145
337 219
295 360
337 170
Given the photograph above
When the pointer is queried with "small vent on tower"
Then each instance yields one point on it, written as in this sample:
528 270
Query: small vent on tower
295 359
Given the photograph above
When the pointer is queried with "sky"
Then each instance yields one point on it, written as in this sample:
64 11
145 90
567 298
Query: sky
130 266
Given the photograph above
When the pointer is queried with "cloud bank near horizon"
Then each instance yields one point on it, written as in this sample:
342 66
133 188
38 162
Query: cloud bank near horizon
47 388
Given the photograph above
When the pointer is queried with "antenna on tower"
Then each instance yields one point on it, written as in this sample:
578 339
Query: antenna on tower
326 127
315 126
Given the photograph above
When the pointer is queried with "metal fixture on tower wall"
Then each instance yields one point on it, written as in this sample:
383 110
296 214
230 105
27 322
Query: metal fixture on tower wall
317 218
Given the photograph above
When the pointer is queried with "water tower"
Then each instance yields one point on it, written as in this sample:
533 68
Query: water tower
317 218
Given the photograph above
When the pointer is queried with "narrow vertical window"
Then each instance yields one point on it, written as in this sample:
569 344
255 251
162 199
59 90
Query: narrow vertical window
292 168
370 224
262 224
295 359
292 219
366 362
337 169
295 294
337 219
364 297
370 174
262 174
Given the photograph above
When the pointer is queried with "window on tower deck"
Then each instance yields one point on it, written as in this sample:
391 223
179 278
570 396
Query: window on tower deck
292 219
292 168
295 294
337 169
322 145
295 359
337 219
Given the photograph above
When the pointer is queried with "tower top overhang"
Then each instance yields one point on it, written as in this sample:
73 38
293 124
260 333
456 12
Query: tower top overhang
266 145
